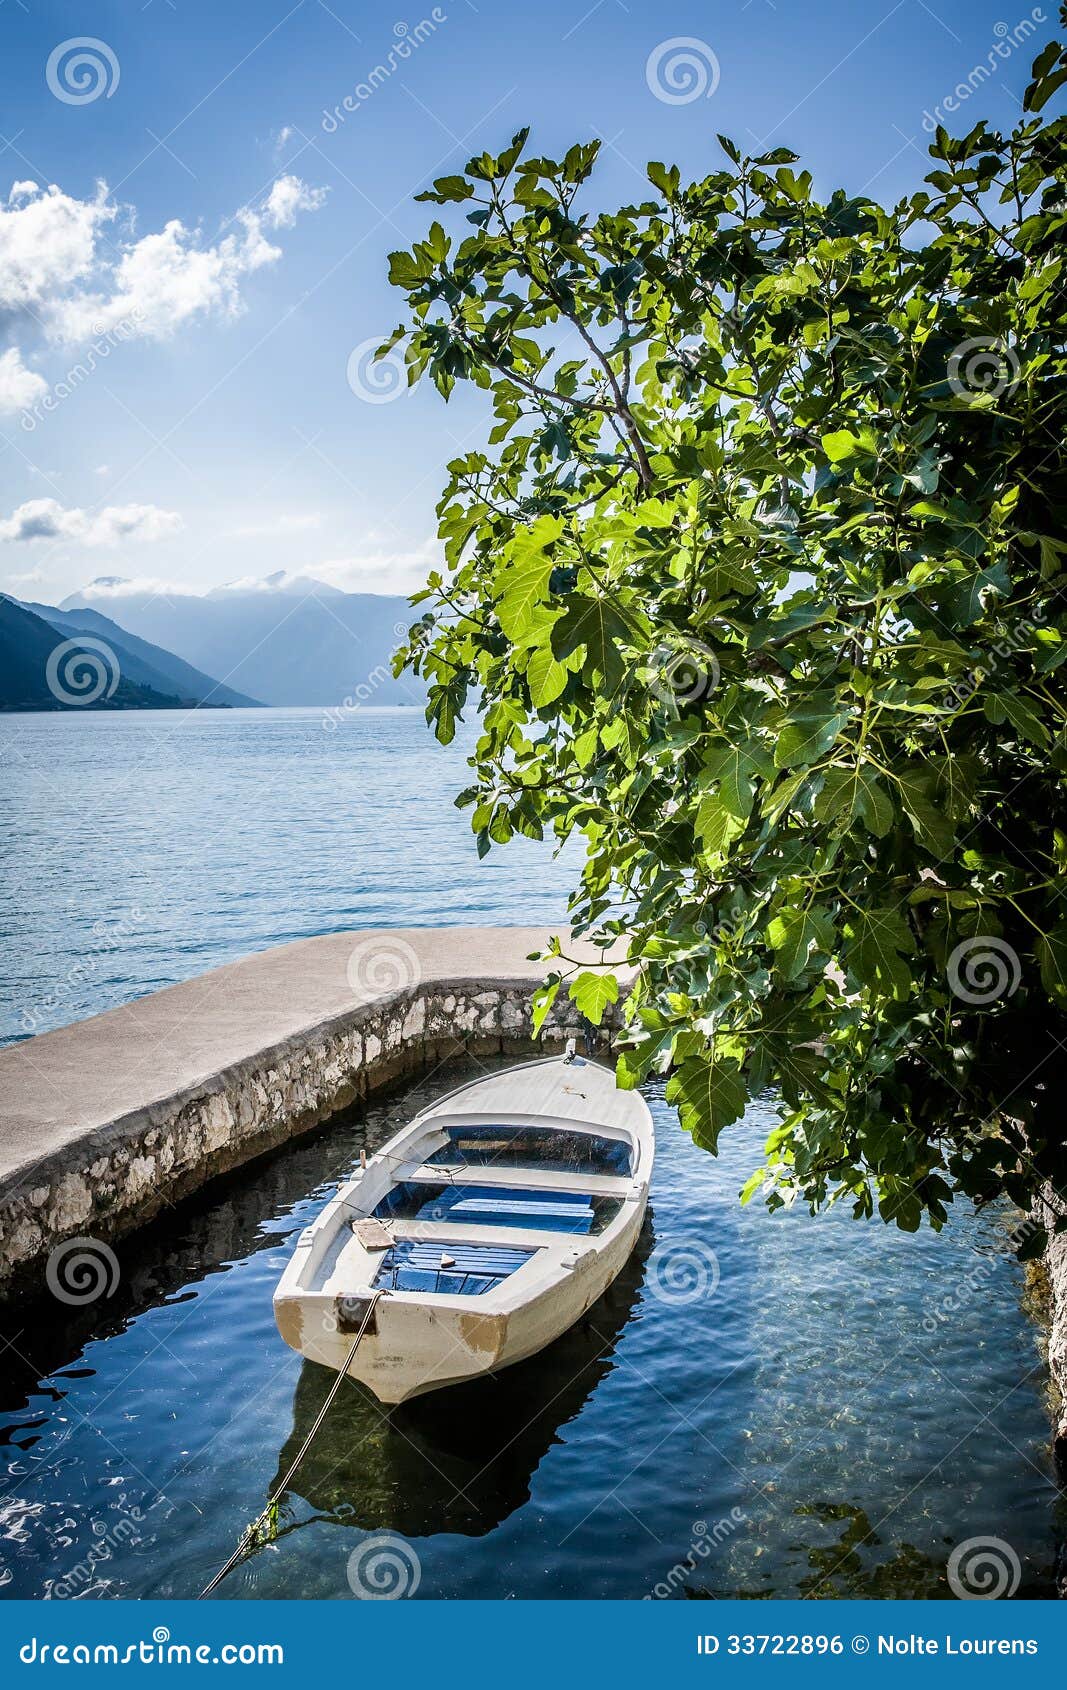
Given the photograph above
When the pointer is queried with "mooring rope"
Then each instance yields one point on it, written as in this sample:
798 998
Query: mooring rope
246 1545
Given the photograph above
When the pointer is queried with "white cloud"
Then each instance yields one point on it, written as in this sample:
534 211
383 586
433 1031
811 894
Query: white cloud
46 519
48 242
28 578
248 584
165 279
384 572
19 387
107 587
288 196
294 522
379 569
298 581
54 263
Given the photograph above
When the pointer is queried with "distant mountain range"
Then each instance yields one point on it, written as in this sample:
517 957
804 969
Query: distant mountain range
44 668
283 640
139 661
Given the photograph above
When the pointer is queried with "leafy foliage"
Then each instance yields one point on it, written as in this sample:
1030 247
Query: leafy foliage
758 585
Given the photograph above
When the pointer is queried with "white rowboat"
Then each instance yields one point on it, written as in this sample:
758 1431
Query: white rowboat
479 1234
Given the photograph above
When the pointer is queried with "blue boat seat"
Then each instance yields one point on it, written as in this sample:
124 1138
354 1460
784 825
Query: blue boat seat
469 1270
490 1205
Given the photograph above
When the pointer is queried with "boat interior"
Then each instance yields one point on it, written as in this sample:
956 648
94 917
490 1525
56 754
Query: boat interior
457 1205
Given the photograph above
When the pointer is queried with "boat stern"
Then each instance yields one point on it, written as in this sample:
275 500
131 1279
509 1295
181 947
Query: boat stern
408 1347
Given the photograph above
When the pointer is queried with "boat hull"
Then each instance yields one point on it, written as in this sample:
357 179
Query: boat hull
415 1348
595 1146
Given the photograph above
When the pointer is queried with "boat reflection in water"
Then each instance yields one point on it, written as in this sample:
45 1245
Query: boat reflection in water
459 1460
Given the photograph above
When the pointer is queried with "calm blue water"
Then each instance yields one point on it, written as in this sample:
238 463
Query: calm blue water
142 847
767 1406
792 1417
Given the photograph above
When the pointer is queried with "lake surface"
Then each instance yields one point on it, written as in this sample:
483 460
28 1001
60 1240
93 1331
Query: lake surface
138 848
761 1405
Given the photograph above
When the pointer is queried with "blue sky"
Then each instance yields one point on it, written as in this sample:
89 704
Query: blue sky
239 253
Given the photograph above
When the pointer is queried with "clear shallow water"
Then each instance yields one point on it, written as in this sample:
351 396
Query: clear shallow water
805 1426
808 1424
139 848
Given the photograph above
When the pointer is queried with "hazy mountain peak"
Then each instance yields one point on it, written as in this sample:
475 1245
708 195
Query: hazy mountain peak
281 581
103 589
285 638
121 587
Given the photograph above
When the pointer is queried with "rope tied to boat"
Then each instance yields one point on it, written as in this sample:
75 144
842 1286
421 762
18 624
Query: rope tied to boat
247 1544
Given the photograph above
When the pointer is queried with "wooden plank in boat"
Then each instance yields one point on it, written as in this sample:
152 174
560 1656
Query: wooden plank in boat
372 1234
